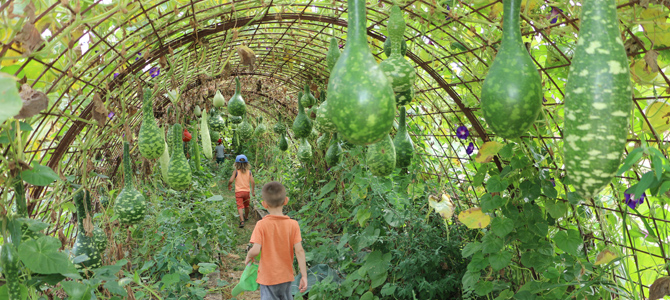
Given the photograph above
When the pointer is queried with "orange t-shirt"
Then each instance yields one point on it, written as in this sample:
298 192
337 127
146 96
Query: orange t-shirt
242 180
276 235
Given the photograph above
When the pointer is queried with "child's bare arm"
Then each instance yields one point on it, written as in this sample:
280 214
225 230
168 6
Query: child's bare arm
253 186
300 256
231 180
253 252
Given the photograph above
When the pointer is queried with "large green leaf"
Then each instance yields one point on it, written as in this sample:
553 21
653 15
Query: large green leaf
40 175
76 290
502 226
42 256
500 260
10 101
568 241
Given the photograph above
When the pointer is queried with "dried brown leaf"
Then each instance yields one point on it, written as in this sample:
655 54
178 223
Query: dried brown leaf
632 46
29 38
88 225
33 102
651 59
62 239
99 111
660 288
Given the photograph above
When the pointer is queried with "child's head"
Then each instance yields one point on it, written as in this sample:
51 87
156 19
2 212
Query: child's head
241 162
274 194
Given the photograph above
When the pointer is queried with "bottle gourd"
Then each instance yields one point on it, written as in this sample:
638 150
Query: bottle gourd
397 69
598 100
236 105
130 205
334 151
150 142
85 244
360 97
179 171
381 157
404 149
206 138
302 125
512 91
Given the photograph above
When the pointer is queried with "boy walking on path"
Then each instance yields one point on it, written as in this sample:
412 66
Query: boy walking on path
220 154
278 236
244 183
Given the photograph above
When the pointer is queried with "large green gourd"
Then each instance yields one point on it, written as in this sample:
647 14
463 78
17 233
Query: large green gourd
150 140
165 158
130 205
512 91
279 128
307 99
84 244
304 151
260 128
397 69
381 157
100 239
179 172
360 97
404 149
245 129
9 259
333 152
333 54
283 143
597 100
323 122
236 105
214 136
302 125
206 138
236 120
215 121
322 141
387 47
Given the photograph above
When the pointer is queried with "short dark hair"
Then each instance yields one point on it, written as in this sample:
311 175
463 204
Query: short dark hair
274 194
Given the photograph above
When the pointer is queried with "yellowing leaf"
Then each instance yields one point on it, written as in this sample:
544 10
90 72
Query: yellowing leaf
604 257
443 206
658 114
658 33
487 151
474 218
653 13
641 74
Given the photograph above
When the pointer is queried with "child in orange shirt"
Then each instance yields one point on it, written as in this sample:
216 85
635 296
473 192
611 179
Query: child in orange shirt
278 236
244 183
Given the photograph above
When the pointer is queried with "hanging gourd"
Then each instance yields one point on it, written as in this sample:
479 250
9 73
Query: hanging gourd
100 239
130 205
235 119
206 137
313 134
260 128
360 97
304 151
218 100
381 157
11 268
307 99
388 50
215 121
283 143
213 137
404 149
196 147
279 128
333 152
164 160
398 70
322 141
302 125
405 97
169 139
512 91
149 140
179 171
323 122
333 54
236 105
197 111
598 100
245 129
84 244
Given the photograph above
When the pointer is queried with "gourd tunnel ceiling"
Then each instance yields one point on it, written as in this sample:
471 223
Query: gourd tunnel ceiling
90 56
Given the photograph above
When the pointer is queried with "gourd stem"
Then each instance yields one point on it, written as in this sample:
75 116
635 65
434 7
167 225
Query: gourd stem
396 28
401 122
237 85
126 165
511 25
357 31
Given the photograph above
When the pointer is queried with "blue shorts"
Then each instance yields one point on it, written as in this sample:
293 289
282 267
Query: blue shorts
220 159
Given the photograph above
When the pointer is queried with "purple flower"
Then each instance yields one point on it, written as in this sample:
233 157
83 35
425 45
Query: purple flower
462 132
554 14
155 71
430 42
341 46
553 181
115 75
633 203
544 100
110 115
470 148
447 17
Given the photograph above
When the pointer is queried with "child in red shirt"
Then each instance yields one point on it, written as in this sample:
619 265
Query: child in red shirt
244 183
278 236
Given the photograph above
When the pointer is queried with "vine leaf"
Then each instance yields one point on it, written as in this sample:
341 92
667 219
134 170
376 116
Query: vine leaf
568 241
39 175
605 257
474 218
658 114
651 59
42 256
443 206
10 101
487 151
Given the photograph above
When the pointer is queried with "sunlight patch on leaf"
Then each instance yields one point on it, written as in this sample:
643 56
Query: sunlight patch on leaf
474 218
487 151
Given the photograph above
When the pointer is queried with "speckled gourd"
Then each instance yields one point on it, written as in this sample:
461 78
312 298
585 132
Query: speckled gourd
84 244
9 260
511 96
304 151
388 49
360 97
195 146
260 128
164 160
214 136
323 122
333 53
381 157
245 129
150 141
215 121
302 125
404 148
322 141
283 143
307 99
169 139
279 127
236 120
179 171
206 138
236 105
100 239
598 100
398 70
334 151
130 205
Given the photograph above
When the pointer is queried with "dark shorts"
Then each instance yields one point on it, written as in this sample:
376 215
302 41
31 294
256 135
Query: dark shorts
280 291
220 159
242 199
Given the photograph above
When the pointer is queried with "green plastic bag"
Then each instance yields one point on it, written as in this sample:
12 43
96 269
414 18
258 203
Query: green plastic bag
247 280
